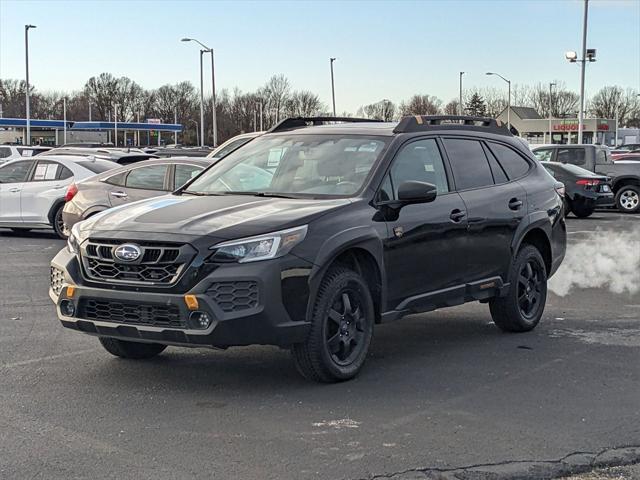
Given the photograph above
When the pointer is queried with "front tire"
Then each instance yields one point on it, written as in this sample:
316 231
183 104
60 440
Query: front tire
341 329
131 350
521 309
628 199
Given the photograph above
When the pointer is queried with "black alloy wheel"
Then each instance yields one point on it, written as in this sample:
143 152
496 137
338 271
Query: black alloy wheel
529 289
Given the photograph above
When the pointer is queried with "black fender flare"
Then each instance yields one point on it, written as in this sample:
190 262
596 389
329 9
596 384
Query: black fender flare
535 220
364 238
619 182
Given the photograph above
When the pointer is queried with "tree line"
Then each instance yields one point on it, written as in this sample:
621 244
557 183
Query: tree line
239 112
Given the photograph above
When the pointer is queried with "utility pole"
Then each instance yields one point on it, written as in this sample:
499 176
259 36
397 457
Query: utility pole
460 108
26 59
333 89
115 124
551 85
175 120
201 102
64 118
261 129
584 62
213 102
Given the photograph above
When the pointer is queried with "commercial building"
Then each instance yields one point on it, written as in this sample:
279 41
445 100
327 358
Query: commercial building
536 129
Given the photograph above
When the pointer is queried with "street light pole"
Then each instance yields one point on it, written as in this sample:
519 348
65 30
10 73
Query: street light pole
201 102
261 116
64 117
175 120
551 85
508 98
213 102
460 109
584 62
333 88
115 122
26 61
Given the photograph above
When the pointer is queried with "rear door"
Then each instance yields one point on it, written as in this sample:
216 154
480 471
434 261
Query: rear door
47 183
138 183
495 206
12 178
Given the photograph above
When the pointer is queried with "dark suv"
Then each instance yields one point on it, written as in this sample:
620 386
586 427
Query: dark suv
313 233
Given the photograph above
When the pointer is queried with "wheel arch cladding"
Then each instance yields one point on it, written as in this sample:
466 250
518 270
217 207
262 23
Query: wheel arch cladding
539 239
624 181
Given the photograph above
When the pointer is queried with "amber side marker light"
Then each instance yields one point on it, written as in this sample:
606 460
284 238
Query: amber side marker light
191 301
71 290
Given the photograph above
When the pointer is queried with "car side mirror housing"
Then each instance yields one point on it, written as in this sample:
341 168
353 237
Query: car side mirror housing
413 191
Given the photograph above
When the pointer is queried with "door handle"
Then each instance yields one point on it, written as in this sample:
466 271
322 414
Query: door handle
457 215
58 187
119 194
14 189
515 204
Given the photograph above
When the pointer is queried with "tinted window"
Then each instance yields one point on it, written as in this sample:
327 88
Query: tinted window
386 190
46 171
511 161
5 152
15 172
498 173
117 179
149 178
544 155
469 163
97 166
184 173
420 161
574 156
65 173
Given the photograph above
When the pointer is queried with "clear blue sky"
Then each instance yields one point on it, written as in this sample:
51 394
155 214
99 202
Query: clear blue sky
385 49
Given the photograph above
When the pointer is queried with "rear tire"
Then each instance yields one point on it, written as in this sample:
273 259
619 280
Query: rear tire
131 350
521 309
58 223
628 199
341 329
582 212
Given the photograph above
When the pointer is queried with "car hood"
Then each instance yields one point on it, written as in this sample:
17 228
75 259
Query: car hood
223 217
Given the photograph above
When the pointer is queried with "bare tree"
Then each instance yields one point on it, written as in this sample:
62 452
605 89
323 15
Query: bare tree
563 102
303 103
383 110
276 93
421 105
452 108
12 97
612 100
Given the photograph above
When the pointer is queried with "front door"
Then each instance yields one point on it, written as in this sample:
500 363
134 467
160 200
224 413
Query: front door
12 178
424 250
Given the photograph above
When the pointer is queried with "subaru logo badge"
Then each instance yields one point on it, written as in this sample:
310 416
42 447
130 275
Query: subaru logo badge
127 252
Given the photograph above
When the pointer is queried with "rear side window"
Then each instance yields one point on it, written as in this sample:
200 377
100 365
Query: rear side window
149 178
46 171
574 156
469 163
544 155
601 157
511 161
118 179
64 173
15 172
184 173
5 152
97 166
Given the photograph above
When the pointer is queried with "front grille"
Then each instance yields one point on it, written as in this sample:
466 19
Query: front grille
158 264
155 315
57 279
234 296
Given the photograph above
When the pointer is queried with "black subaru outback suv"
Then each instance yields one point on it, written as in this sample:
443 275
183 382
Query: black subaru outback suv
315 232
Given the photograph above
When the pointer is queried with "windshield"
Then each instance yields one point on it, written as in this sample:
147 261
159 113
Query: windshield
313 165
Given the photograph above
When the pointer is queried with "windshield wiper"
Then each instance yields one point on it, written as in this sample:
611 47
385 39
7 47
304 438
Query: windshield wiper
261 194
199 194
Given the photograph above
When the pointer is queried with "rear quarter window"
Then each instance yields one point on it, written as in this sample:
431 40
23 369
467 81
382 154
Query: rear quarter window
511 161
97 166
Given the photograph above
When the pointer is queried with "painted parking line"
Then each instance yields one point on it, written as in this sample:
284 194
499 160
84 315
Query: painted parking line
50 357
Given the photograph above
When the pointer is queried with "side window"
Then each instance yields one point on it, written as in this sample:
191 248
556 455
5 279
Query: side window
46 171
544 155
421 161
65 173
149 178
499 176
386 190
511 161
184 173
574 156
117 179
15 172
601 157
469 163
5 152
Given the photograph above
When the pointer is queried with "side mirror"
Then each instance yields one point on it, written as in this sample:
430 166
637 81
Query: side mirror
417 192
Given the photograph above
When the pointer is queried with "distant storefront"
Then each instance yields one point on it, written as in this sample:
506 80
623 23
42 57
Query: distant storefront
536 129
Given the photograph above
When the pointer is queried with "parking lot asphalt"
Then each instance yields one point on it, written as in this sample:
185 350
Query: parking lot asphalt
443 394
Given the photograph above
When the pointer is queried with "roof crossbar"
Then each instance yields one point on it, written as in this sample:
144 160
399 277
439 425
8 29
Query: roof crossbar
421 123
299 122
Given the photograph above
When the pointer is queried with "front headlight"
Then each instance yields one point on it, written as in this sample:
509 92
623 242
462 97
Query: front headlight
72 241
262 247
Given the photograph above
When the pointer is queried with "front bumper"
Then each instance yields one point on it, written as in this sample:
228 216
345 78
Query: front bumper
270 320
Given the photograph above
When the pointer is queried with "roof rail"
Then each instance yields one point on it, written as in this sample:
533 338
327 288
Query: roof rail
298 122
421 123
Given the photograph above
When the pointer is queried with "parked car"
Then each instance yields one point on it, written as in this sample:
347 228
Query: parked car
146 179
11 152
359 223
632 147
584 190
631 157
625 176
32 190
123 156
233 144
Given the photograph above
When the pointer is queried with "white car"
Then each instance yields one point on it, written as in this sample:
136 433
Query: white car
33 190
11 152
232 144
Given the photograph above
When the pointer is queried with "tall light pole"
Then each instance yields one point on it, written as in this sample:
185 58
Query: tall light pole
551 85
508 98
460 109
333 88
115 122
26 62
175 120
64 117
260 103
214 118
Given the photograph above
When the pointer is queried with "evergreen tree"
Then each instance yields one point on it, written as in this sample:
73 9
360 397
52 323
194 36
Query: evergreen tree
476 106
